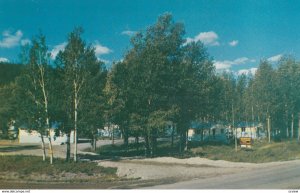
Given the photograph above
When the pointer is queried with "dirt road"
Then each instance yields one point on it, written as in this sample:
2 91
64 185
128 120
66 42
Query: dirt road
59 151
192 173
201 173
285 175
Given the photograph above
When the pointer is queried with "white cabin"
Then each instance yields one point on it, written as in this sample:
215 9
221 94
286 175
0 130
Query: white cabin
34 137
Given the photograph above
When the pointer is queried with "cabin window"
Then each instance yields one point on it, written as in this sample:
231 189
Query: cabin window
243 129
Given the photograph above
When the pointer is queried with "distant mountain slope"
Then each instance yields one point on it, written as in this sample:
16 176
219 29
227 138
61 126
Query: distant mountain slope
9 71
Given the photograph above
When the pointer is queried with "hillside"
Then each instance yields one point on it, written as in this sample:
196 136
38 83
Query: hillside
9 71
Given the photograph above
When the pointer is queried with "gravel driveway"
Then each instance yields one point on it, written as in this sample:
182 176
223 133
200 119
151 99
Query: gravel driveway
168 168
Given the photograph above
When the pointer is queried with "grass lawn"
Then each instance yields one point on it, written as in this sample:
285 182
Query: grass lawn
116 151
261 152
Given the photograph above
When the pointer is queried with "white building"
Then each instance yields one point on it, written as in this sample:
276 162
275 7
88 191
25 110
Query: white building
253 130
208 132
34 137
109 131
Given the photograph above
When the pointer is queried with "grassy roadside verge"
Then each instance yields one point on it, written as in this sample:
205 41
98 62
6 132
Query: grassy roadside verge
261 152
31 169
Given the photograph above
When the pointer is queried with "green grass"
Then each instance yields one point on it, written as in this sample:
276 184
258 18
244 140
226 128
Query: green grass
25 165
117 151
260 153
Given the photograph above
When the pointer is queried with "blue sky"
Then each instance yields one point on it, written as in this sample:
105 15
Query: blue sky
237 34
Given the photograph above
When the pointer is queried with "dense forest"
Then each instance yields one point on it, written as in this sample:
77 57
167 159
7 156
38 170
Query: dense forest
161 79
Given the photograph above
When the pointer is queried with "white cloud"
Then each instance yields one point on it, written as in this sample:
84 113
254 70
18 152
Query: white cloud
6 33
10 40
207 38
101 50
128 32
226 64
25 41
57 48
247 71
4 60
275 58
233 43
103 60
189 40
243 60
222 65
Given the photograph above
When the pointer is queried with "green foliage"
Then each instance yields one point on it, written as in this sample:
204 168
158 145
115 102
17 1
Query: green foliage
82 78
33 87
161 79
9 72
7 110
25 165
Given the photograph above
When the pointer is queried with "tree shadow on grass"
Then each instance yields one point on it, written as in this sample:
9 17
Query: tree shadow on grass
18 148
135 151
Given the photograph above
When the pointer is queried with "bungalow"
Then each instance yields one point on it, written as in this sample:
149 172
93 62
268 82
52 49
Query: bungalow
169 130
33 136
209 132
110 130
249 129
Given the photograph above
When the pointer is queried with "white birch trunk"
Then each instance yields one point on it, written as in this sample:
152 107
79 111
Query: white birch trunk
292 127
75 121
43 148
269 129
50 143
42 84
233 128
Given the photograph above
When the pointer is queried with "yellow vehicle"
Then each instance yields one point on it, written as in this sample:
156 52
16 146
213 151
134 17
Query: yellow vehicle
246 142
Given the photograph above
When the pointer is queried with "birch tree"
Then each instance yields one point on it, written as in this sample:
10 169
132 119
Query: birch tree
78 63
34 83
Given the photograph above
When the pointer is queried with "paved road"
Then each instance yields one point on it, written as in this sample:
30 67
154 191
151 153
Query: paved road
285 176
